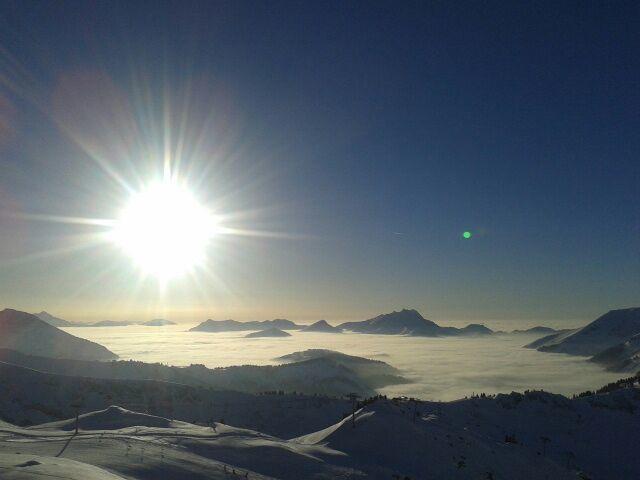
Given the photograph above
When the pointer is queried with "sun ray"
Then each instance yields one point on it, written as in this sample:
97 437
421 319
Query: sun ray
88 242
102 222
243 232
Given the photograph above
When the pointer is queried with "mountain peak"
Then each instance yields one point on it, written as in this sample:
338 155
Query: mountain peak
604 332
322 326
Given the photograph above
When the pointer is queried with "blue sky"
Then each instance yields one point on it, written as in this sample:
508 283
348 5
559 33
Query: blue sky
371 136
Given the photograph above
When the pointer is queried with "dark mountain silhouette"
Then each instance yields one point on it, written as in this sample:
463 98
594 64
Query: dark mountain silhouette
321 326
410 322
235 326
111 323
538 330
51 320
26 333
158 322
269 332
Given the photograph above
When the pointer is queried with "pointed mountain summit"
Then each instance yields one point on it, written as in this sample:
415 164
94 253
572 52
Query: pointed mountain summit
26 333
404 322
269 332
322 326
51 320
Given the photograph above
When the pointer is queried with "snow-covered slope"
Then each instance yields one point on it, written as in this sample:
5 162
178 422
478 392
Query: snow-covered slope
623 357
178 451
269 332
387 440
410 322
27 333
111 418
535 435
16 466
322 326
552 338
529 436
610 329
29 397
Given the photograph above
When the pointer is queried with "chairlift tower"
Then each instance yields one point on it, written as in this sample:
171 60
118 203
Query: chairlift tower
353 397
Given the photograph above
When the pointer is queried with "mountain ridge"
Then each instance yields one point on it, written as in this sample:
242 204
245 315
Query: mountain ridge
237 326
606 331
28 334
410 322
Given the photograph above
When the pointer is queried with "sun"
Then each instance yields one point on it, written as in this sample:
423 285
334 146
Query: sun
165 230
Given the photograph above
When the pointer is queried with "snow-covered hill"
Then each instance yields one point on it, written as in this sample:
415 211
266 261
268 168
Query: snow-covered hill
610 329
173 451
20 466
29 397
27 333
623 357
535 435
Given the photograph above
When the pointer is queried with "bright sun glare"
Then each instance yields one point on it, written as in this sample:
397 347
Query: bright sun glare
165 230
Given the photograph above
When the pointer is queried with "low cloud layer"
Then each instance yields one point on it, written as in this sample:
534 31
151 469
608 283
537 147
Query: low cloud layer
442 368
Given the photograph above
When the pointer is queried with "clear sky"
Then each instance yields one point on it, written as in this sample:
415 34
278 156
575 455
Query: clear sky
355 141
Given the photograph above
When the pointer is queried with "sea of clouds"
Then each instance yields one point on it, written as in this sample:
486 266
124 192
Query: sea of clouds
440 368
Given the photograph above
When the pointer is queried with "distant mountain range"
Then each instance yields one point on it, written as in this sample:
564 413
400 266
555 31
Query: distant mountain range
235 326
405 322
410 322
28 334
535 331
612 340
59 322
158 322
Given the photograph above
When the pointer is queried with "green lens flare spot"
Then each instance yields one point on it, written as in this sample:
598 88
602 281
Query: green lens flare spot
466 234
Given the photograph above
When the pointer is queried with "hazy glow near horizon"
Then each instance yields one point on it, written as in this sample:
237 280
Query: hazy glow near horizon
165 230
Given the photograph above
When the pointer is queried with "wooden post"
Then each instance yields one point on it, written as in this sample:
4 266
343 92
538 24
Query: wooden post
77 406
